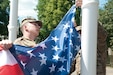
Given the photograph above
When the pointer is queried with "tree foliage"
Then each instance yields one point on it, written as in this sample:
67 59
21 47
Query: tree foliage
106 17
4 16
50 12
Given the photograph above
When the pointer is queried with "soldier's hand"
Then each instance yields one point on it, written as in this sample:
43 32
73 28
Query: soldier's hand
78 3
6 44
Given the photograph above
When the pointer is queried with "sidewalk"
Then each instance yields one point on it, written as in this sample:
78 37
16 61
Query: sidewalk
109 71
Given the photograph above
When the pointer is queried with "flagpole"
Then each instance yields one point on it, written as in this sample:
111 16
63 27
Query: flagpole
89 37
12 27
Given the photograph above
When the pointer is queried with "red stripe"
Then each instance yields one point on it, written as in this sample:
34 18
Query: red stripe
11 70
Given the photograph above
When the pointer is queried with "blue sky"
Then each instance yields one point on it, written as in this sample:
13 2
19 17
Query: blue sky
102 2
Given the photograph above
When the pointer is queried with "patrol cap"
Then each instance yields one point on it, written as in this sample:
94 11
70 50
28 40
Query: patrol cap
30 20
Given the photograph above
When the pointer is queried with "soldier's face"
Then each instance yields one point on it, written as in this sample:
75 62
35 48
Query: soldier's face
33 28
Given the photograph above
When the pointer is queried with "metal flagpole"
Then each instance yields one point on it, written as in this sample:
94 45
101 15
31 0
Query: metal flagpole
89 37
12 27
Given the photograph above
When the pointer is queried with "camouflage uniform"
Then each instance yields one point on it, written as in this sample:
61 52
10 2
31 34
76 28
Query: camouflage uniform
101 54
25 42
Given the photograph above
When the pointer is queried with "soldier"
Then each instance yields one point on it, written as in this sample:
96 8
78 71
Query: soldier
101 52
30 28
101 49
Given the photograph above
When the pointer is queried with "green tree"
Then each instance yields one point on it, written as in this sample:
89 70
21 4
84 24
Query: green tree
106 17
4 16
50 12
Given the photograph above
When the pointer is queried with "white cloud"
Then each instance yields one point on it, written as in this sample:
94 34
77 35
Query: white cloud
26 8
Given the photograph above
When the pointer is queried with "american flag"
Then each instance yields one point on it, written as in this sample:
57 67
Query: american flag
8 64
54 55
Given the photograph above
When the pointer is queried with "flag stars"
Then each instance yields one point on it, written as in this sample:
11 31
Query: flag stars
42 56
23 64
34 72
73 20
56 57
55 48
55 39
61 69
79 36
66 26
65 35
62 59
71 31
43 46
65 48
70 55
52 68
30 53
70 42
77 47
43 61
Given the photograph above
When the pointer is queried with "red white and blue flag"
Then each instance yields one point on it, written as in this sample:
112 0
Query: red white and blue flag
8 64
55 54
